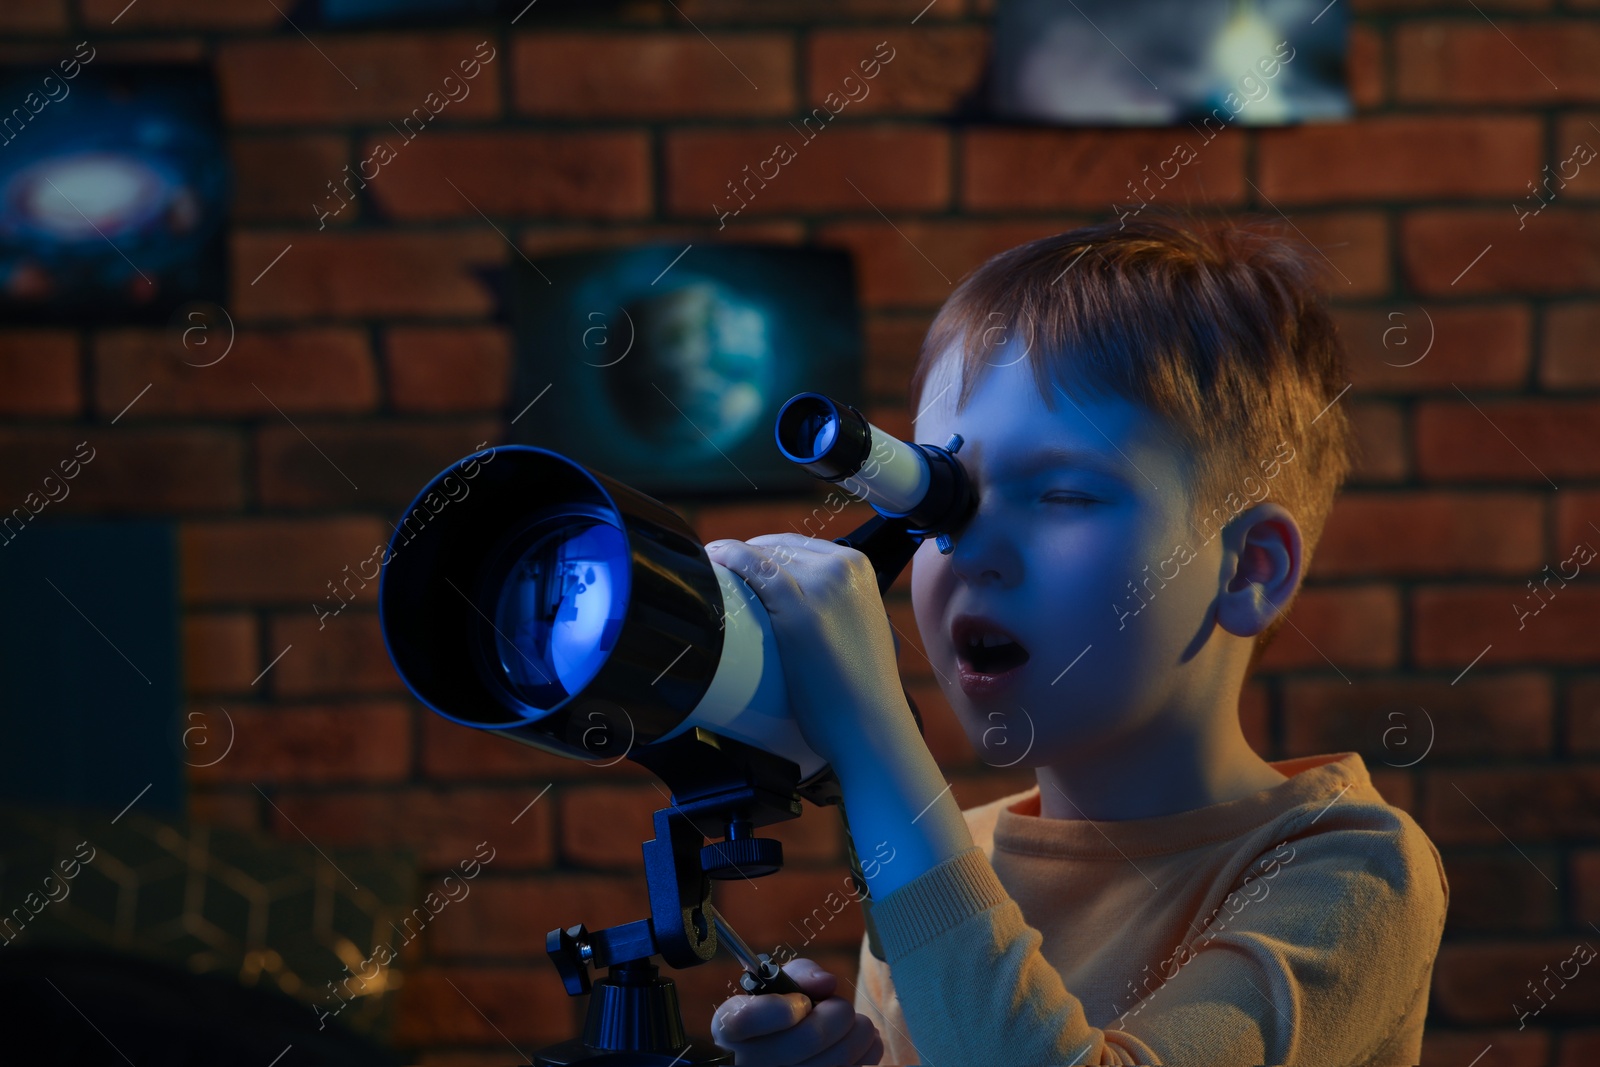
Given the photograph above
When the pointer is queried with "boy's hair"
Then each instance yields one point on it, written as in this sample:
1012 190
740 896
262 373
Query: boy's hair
1219 328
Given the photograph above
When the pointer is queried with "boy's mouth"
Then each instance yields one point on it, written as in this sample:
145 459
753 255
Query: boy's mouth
983 647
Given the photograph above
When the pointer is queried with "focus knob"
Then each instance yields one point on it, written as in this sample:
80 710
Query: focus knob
744 857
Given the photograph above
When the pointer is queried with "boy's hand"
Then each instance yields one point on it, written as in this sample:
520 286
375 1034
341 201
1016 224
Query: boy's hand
833 635
788 1030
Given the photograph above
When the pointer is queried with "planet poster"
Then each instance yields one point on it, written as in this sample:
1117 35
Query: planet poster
664 366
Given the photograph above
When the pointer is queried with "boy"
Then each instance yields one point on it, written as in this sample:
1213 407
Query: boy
1148 500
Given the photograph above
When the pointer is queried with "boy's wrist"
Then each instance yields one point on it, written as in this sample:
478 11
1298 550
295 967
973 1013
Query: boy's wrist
886 737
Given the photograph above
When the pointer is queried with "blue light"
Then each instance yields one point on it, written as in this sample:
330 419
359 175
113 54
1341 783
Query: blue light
824 435
560 610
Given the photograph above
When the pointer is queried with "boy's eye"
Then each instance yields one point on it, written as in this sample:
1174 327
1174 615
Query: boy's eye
1064 498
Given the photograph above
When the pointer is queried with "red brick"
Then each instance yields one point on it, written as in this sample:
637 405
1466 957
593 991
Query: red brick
826 11
442 827
1353 627
792 906
220 653
1511 440
1402 722
1381 454
289 78
113 16
1577 519
486 1005
39 373
164 49
43 16
323 743
892 344
551 239
285 178
1579 1048
1400 157
1481 982
1586 879
453 752
920 265
1366 61
896 169
1555 252
1571 354
265 373
1432 533
278 561
1528 804
130 470
390 462
1397 788
448 368
341 653
1095 170
1450 627
1467 61
1583 717
1416 348
653 74
604 826
1570 178
1502 893
363 274
931 68
1356 244
1498 1048
509 916
602 175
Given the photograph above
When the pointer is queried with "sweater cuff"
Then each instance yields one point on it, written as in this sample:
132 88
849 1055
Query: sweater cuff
939 899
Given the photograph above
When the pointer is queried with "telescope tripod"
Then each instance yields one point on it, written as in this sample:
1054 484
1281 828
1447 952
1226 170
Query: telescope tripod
729 789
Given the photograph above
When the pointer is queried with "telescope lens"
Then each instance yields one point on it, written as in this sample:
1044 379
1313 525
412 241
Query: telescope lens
560 610
822 429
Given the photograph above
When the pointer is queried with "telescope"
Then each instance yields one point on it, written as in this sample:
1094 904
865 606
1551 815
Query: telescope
550 604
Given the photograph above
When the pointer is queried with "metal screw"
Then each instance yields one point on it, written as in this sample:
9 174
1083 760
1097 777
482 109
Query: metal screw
954 444
944 543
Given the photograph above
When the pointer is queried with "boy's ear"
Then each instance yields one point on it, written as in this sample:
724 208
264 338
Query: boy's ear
1261 564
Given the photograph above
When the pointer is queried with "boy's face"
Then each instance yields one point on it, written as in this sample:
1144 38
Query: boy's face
1049 555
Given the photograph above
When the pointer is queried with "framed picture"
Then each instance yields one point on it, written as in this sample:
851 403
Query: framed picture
114 191
664 366
1162 62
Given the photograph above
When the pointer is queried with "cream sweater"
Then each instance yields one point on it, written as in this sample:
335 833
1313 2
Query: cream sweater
1297 925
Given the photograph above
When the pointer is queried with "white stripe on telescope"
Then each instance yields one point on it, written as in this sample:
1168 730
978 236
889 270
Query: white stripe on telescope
893 479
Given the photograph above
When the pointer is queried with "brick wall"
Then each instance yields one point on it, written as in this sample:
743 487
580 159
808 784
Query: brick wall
374 335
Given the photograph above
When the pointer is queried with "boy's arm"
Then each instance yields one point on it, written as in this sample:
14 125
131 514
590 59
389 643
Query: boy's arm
1322 962
972 984
874 998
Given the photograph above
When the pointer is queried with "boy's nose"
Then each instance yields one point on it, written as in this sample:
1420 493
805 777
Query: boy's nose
982 552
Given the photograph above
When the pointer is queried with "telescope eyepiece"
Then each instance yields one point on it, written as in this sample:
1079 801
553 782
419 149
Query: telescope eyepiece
830 439
923 484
